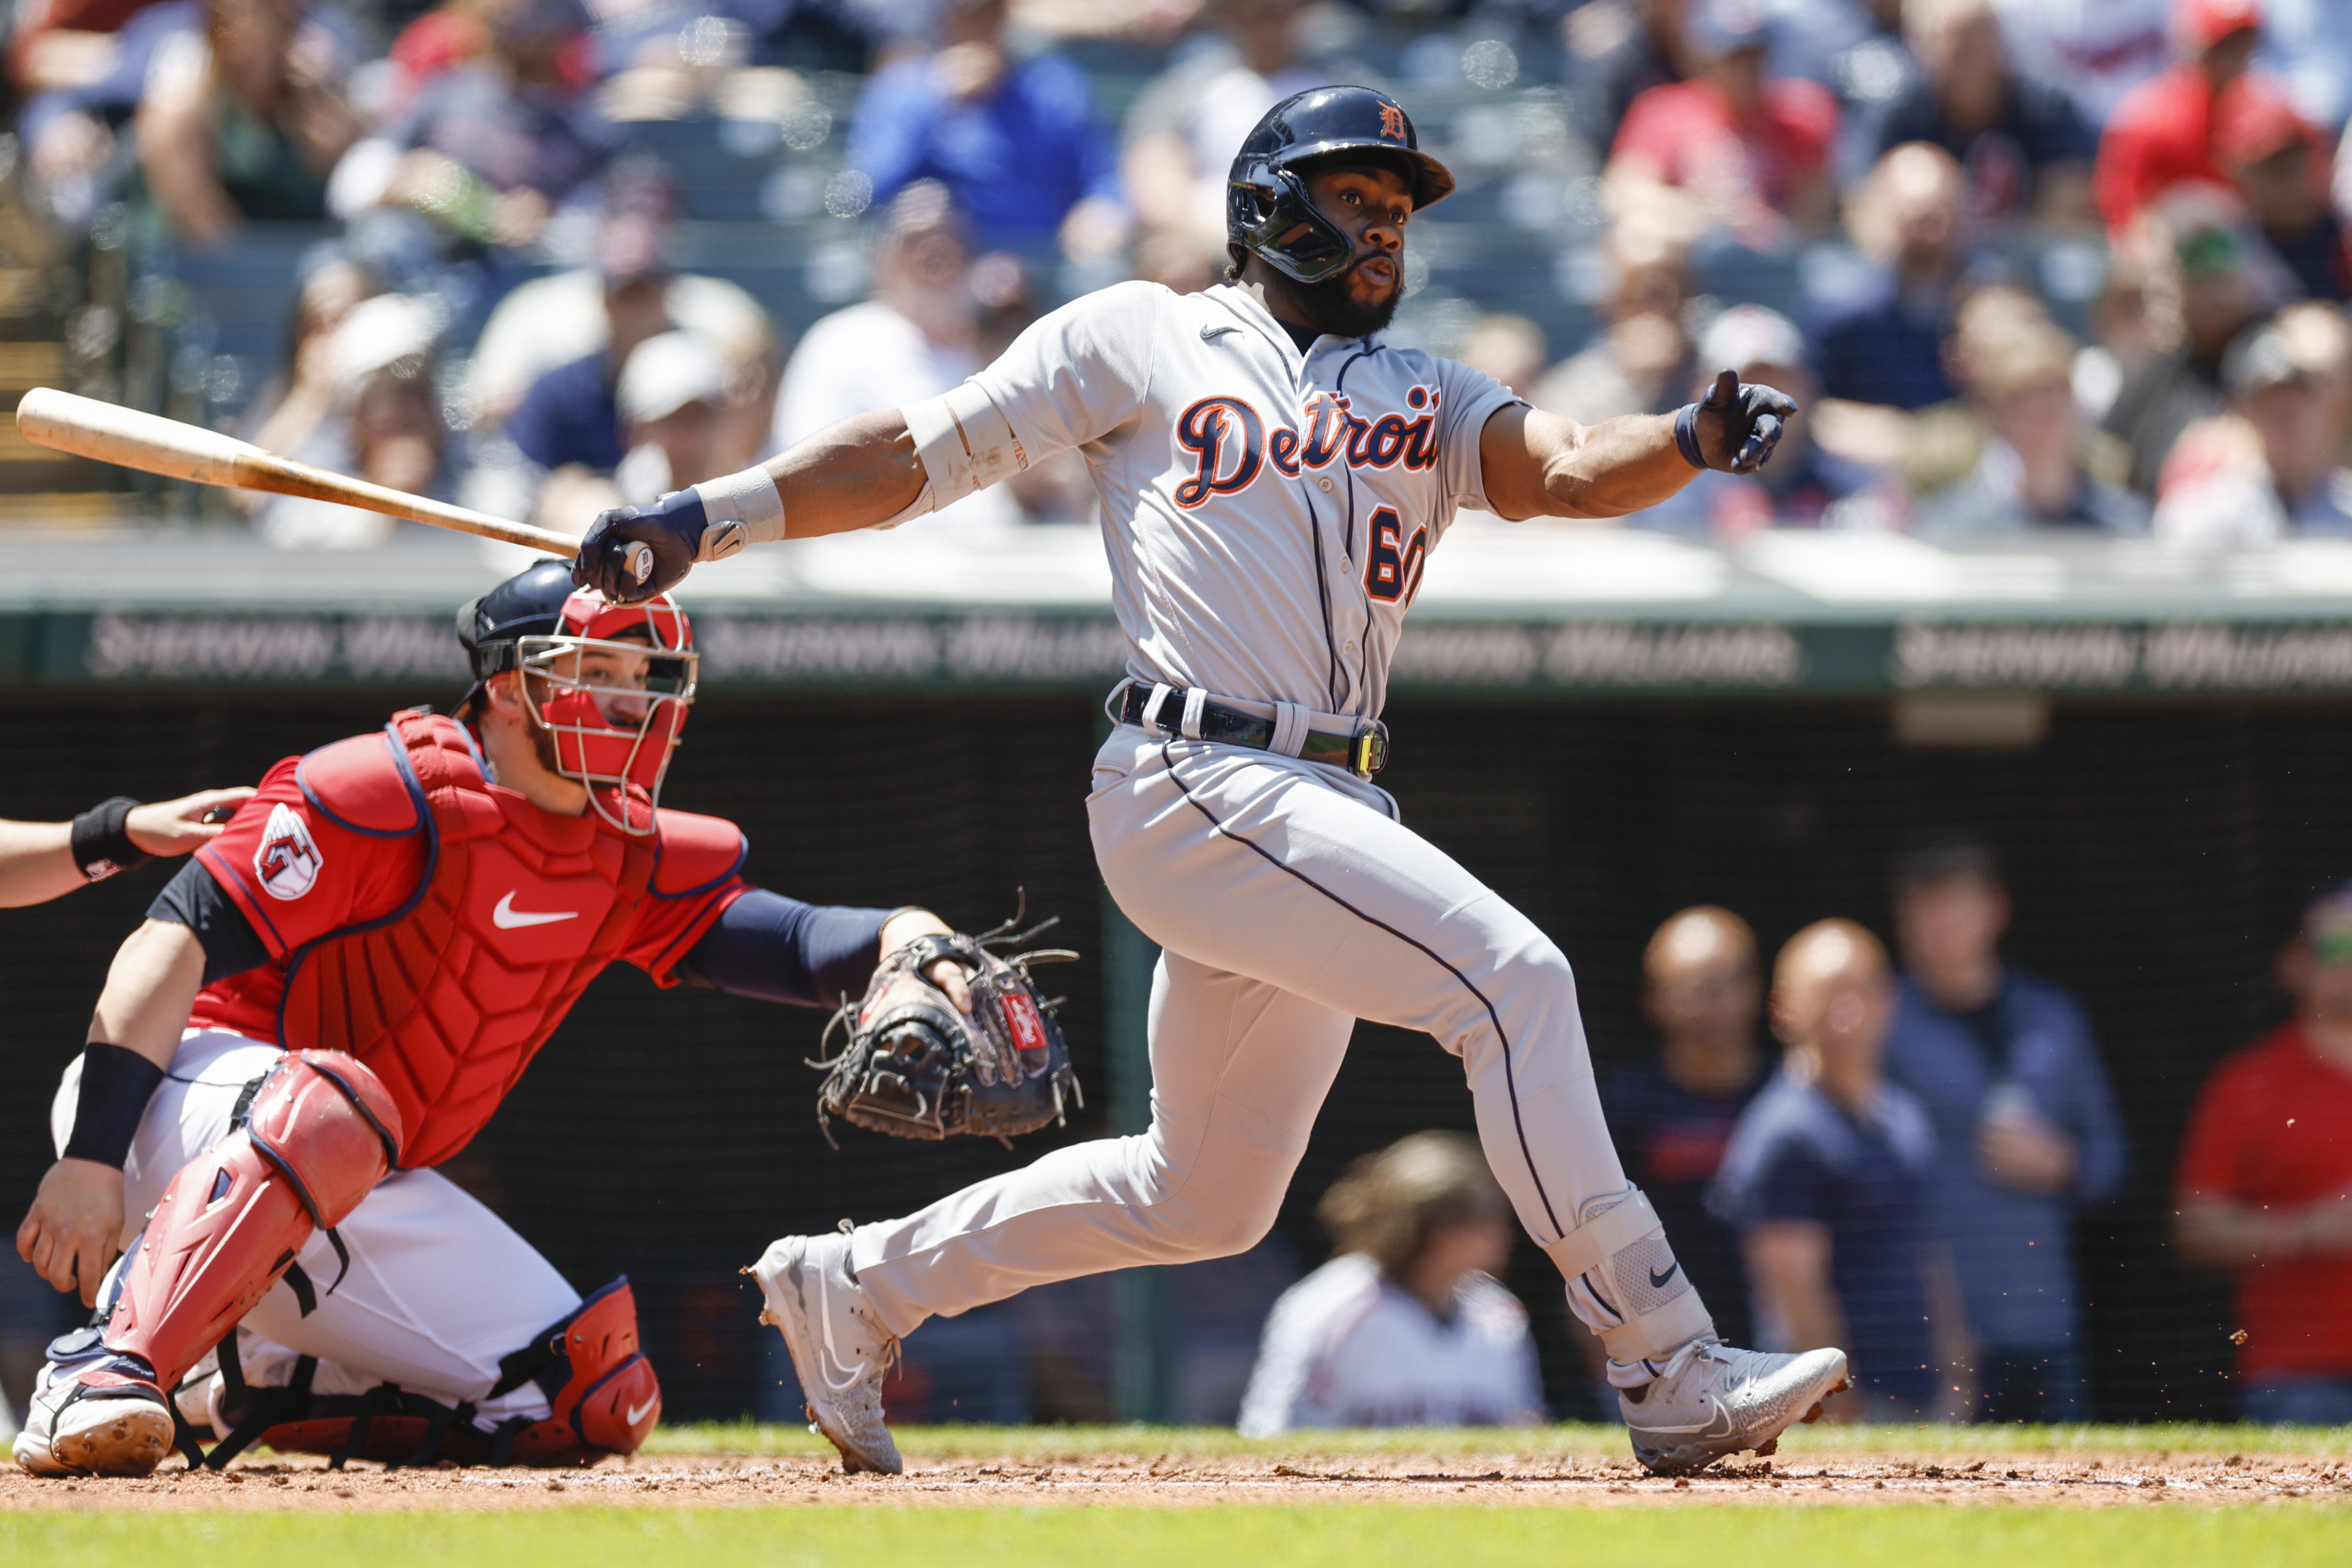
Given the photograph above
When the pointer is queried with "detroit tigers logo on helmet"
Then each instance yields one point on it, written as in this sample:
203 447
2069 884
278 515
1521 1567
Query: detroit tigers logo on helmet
1392 122
288 860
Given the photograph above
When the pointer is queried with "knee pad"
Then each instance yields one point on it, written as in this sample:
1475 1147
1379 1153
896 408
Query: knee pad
319 1133
601 1389
1625 1282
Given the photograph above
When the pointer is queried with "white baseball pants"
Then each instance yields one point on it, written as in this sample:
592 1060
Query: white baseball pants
439 1287
1289 902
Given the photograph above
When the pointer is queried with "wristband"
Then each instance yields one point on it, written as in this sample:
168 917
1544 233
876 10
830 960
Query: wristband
743 507
1686 435
116 1085
101 840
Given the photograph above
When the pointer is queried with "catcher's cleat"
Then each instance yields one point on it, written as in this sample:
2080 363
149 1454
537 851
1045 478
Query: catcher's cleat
841 1353
115 1427
1721 1400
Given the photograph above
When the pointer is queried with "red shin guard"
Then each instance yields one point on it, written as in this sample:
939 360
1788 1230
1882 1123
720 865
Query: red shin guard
321 1133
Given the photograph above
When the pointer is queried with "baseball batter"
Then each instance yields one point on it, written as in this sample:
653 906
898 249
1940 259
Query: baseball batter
332 997
1273 475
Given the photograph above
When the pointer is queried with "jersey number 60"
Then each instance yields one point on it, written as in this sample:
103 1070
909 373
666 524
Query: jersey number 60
1393 566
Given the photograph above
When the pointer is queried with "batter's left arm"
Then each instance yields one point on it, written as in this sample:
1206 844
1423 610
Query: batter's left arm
1540 464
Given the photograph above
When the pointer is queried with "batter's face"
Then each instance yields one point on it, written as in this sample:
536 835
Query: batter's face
1370 206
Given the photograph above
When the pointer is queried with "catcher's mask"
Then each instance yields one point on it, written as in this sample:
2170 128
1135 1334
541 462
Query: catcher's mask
609 682
1267 209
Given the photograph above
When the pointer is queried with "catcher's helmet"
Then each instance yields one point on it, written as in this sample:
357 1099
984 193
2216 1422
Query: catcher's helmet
614 726
1266 208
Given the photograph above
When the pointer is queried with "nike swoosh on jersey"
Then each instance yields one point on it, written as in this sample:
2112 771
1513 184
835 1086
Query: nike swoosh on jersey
507 917
638 1414
1658 1280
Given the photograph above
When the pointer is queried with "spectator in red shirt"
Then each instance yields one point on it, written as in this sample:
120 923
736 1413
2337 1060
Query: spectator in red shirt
2264 1185
2162 132
2276 161
1728 148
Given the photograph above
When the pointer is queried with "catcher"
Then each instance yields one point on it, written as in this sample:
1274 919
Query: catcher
334 995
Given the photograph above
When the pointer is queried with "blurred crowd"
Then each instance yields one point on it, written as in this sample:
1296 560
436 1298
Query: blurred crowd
501 315
1901 1180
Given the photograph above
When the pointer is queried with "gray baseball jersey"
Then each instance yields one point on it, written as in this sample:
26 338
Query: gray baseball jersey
1266 513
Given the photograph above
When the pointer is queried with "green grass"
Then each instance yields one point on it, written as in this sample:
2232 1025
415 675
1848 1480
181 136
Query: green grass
1568 1441
1229 1537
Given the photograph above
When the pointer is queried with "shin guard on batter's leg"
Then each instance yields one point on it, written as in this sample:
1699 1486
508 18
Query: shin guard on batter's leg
1625 1283
321 1133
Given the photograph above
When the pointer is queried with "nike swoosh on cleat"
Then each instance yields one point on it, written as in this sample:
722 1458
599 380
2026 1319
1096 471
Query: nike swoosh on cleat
1658 1280
507 917
638 1414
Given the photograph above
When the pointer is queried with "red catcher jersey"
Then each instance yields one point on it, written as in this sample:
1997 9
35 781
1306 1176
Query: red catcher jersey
437 926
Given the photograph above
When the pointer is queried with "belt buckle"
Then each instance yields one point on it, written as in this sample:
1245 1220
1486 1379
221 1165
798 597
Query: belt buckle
1368 751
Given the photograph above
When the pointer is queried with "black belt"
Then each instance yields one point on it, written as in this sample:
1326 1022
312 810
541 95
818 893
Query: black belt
1362 754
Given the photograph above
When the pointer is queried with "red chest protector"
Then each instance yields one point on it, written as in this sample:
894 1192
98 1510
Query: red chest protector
448 997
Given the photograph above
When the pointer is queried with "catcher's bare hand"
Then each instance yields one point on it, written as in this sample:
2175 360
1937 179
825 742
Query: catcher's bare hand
163 828
946 974
74 1229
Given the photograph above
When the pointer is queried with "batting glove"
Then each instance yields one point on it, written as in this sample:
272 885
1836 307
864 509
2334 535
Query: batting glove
1734 428
672 529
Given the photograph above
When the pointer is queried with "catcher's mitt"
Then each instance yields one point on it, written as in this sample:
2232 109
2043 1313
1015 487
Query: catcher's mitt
916 1067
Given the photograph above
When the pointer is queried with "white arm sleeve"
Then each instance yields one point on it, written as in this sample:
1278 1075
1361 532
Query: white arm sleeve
965 443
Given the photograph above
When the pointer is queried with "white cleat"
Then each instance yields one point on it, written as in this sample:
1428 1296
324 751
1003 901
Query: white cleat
839 1350
73 1431
1721 1400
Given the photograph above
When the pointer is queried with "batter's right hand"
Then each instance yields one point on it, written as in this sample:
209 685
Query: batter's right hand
672 529
74 1229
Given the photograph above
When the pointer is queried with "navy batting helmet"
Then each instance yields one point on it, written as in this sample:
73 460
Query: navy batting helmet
1266 208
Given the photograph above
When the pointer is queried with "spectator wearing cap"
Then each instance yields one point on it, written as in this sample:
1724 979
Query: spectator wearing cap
564 317
1672 1116
384 426
1730 149
2213 281
914 338
1407 1325
2023 148
1014 140
671 392
2026 1130
2031 473
2162 135
1826 1179
1180 137
571 416
2275 161
1640 362
1889 349
1802 486
2276 471
2263 1187
491 146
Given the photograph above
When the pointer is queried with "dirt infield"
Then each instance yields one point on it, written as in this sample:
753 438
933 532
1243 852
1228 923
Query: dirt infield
1029 1474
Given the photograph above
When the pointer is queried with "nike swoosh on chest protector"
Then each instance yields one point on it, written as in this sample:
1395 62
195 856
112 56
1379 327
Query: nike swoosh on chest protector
507 917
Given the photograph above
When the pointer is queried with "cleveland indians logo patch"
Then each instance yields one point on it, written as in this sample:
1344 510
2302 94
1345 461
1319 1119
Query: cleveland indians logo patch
287 862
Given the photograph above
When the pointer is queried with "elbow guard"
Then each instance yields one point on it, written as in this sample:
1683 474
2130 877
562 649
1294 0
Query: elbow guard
966 445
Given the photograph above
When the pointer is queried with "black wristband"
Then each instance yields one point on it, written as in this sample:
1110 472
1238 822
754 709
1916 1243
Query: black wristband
116 1085
101 840
1686 435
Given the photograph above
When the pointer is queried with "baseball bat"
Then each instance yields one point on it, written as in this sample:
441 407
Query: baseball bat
109 434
